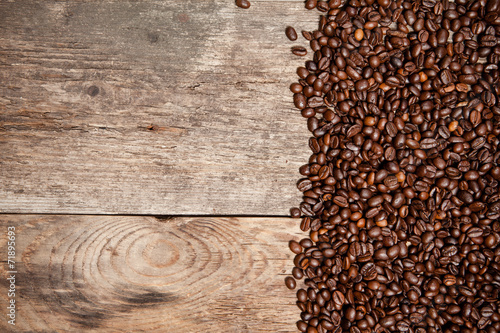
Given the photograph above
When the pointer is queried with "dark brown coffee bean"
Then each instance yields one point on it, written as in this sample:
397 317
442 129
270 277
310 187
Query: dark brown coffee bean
291 34
390 153
478 143
302 295
428 143
295 247
290 282
392 81
391 181
362 85
393 251
403 326
300 101
304 185
315 102
294 212
299 51
353 130
338 298
411 278
444 132
243 4
474 232
341 201
391 129
387 321
446 76
305 224
307 35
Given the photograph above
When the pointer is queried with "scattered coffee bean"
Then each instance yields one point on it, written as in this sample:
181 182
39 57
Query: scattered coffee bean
299 51
291 33
243 4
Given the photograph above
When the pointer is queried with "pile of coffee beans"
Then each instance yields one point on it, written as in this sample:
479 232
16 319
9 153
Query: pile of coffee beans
400 196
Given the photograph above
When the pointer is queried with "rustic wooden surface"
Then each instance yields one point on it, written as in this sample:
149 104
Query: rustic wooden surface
123 274
149 107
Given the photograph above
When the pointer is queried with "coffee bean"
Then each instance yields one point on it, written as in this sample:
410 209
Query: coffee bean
295 247
291 34
359 34
338 298
474 232
362 85
391 181
295 212
341 201
302 295
243 4
300 101
387 321
299 51
478 143
304 185
391 129
392 81
290 282
403 326
305 224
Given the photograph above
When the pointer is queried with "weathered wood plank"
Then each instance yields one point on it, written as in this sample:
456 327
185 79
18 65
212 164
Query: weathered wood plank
118 274
149 107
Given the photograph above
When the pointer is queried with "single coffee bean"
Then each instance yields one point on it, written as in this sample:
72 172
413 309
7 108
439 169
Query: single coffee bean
291 34
290 282
295 247
362 85
295 212
299 51
300 101
341 201
338 298
391 181
359 34
243 4
474 232
305 224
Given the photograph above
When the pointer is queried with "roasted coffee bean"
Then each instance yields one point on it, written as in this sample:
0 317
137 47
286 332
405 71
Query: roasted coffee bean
294 212
391 181
338 298
305 225
304 185
299 51
243 4
295 247
291 34
290 282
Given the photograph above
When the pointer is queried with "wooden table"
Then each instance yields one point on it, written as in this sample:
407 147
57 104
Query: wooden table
149 152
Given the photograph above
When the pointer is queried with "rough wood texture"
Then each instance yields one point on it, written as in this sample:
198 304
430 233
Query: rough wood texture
123 274
149 107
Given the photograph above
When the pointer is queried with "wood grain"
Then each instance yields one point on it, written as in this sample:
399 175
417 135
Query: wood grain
123 274
149 107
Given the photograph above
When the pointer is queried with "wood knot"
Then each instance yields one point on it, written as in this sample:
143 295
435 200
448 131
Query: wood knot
153 37
93 91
